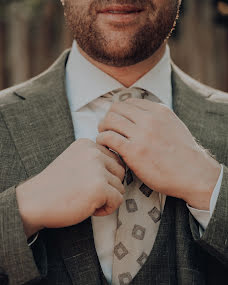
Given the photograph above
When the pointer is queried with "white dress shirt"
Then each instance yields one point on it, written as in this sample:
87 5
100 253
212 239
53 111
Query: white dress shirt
85 84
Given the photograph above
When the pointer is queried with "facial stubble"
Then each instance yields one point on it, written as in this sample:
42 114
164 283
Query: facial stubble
121 51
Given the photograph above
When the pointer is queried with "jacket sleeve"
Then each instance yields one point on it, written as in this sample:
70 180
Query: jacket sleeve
215 238
18 262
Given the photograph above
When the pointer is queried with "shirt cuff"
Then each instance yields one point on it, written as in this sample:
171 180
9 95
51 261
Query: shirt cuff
202 216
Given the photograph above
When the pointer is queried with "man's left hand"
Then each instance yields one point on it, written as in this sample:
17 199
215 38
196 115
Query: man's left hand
160 150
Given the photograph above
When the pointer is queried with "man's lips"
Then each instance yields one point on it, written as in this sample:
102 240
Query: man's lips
127 15
120 9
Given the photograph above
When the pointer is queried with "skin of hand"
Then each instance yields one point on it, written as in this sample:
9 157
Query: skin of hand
160 149
85 180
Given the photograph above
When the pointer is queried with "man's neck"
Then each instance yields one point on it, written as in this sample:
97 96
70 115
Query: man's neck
128 75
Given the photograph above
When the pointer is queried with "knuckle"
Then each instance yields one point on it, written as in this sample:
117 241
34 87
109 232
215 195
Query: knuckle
121 199
122 172
110 117
104 137
117 141
122 189
108 135
118 181
118 144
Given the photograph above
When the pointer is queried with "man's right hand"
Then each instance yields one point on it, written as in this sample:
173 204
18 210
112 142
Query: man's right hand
85 180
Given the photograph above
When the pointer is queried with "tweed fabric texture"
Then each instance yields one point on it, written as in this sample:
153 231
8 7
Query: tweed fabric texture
36 126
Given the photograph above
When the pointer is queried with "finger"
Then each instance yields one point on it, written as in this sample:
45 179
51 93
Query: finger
116 182
130 112
114 141
113 202
114 168
145 104
111 154
117 123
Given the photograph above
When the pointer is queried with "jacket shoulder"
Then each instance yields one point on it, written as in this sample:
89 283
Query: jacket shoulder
15 93
209 93
35 84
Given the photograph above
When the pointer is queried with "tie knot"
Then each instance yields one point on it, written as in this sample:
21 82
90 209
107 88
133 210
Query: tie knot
122 94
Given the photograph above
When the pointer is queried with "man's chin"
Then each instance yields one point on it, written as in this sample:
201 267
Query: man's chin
117 57
116 61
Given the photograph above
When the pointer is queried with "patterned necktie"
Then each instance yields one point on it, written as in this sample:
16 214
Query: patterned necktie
138 217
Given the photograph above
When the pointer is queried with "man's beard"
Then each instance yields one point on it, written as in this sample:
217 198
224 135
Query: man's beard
139 47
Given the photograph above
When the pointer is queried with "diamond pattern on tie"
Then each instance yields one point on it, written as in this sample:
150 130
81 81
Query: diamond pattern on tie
138 232
131 206
124 97
120 251
155 214
125 278
142 259
145 190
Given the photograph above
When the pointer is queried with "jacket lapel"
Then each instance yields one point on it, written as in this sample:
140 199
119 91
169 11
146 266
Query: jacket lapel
40 121
203 110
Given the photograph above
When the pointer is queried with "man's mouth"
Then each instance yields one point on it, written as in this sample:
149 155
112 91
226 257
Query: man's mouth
120 9
121 12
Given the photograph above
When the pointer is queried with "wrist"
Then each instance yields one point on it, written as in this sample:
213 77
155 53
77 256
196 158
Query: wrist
199 196
200 200
27 208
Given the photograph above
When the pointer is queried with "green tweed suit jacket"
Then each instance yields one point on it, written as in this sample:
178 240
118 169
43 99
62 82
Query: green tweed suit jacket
36 127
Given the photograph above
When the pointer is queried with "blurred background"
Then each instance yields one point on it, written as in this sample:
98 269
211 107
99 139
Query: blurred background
33 34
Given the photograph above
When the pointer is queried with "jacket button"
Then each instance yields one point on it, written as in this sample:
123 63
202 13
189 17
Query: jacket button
4 279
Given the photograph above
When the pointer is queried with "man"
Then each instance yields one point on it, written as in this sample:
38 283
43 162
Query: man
66 216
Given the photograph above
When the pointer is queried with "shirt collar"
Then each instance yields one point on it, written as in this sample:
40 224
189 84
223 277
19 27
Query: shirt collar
85 82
